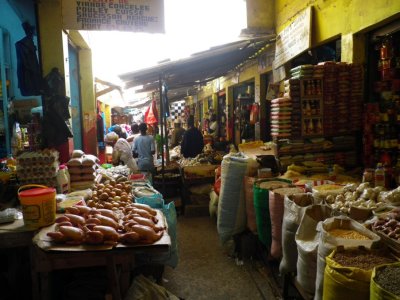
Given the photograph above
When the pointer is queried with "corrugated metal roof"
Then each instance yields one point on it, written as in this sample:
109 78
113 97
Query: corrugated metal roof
184 75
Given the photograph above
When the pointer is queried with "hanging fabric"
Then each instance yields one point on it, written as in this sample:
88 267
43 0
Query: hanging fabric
254 113
151 114
28 71
165 101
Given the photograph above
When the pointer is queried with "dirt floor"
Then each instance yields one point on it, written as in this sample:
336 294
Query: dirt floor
207 270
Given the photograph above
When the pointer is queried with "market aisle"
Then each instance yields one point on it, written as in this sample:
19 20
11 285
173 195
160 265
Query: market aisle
206 272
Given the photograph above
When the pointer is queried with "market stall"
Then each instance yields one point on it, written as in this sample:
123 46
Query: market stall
89 216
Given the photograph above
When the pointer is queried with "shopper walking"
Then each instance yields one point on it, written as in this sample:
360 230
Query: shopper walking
144 149
192 141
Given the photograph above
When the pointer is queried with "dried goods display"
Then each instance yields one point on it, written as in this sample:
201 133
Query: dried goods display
381 130
281 116
292 91
314 97
362 258
38 167
348 234
386 278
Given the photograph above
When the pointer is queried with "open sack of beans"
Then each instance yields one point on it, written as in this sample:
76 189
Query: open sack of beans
339 231
348 272
384 285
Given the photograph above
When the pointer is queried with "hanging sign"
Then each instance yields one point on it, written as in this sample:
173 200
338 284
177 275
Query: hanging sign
121 15
294 39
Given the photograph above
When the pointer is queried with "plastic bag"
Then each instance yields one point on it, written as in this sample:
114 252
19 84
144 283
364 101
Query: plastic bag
143 288
213 205
156 201
151 114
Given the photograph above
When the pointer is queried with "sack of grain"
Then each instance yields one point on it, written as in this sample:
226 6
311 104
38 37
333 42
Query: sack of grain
250 212
231 208
348 272
261 206
276 208
339 231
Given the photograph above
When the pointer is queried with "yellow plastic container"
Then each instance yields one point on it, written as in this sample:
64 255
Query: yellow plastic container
38 205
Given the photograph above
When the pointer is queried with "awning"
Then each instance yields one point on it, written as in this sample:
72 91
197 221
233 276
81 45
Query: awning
184 76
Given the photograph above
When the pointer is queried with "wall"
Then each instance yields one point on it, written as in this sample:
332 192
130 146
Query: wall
54 43
10 21
335 18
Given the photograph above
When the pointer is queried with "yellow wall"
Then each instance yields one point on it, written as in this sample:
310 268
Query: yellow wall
54 53
51 39
339 18
260 15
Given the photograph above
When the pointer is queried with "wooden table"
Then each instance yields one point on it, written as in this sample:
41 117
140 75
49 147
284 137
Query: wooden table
119 261
15 234
15 240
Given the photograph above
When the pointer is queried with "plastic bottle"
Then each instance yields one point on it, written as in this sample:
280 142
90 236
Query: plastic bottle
63 180
379 175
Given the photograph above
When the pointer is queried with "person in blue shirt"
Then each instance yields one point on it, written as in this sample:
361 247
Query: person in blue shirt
144 149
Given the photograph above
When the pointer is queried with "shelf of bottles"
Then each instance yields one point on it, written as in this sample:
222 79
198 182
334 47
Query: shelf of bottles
382 122
311 107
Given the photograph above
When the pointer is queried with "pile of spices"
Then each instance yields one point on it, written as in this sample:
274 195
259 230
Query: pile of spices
388 278
362 258
348 234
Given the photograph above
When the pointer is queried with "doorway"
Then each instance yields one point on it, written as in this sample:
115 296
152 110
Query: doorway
76 115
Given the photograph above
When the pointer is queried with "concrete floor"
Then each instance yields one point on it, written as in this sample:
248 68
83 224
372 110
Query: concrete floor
206 271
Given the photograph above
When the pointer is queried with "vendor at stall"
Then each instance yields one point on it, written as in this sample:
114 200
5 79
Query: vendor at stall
192 141
121 151
177 134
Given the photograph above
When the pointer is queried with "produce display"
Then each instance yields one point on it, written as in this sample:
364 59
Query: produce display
109 218
359 196
389 225
203 158
119 170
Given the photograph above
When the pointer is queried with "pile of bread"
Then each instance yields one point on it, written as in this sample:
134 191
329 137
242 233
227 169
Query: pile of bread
82 170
